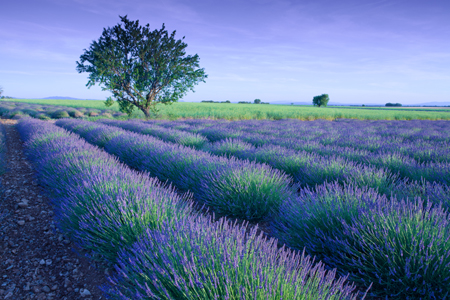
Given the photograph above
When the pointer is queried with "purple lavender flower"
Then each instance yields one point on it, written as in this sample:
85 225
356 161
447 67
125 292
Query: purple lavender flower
99 202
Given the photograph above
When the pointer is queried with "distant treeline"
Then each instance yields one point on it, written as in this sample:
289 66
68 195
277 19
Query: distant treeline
393 104
228 101
244 102
210 101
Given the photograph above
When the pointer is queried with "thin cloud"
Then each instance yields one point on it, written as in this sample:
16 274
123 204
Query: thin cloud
16 72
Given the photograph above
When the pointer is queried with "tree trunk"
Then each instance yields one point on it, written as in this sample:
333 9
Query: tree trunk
146 112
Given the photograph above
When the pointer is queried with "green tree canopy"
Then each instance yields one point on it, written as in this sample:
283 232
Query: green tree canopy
257 101
393 104
321 100
141 68
1 90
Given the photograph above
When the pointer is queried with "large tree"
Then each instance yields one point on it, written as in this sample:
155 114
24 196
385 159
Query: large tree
321 100
1 90
141 68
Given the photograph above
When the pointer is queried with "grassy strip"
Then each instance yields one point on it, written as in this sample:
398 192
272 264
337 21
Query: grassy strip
260 112
231 187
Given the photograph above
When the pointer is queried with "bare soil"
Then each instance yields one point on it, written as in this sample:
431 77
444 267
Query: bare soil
36 260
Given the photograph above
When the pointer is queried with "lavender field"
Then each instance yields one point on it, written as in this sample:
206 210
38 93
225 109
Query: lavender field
345 206
162 248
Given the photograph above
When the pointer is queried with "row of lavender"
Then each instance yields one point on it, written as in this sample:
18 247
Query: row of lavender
161 247
232 187
305 168
414 149
402 247
351 131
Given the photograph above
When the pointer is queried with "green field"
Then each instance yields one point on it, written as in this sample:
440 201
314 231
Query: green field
232 111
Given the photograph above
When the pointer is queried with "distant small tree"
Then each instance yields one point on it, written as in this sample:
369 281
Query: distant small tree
321 100
1 90
257 101
141 68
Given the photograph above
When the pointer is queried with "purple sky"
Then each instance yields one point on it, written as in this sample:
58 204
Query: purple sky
355 51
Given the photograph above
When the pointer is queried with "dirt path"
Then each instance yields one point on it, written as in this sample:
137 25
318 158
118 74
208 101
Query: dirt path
36 261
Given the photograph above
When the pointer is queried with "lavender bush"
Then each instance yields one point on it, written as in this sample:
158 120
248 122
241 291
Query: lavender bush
198 259
402 247
434 193
101 204
230 187
405 251
305 168
229 147
243 189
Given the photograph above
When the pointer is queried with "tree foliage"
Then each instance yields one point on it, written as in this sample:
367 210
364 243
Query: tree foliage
257 101
1 90
141 68
321 100
393 104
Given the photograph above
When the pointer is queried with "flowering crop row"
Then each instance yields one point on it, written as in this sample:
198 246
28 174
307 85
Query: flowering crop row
162 249
230 186
412 138
376 239
184 138
401 246
307 169
412 149
18 110
99 202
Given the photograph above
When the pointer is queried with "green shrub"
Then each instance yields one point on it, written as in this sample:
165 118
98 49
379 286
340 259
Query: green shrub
75 113
105 114
59 114
42 116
